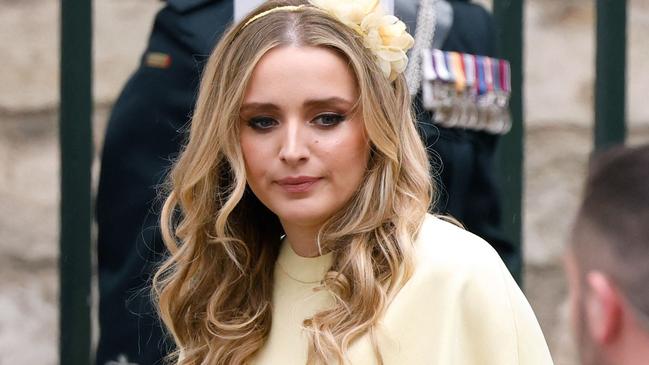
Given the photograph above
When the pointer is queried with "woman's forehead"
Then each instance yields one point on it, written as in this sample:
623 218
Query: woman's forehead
301 74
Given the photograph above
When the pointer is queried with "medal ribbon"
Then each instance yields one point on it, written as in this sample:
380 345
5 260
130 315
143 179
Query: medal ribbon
495 69
482 83
489 79
458 71
469 69
505 75
449 67
428 65
440 65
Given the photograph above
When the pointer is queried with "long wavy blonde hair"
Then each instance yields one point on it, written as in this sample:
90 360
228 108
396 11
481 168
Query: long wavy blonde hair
214 291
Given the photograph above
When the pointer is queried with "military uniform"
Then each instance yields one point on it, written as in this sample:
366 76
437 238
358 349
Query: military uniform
145 131
147 127
468 184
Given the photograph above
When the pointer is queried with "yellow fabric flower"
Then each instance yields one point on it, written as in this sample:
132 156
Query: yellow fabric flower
388 39
350 12
384 35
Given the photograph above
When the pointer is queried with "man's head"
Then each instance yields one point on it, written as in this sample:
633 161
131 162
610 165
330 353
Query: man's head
607 260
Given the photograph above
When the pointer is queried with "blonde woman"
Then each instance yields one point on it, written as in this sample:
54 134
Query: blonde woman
296 217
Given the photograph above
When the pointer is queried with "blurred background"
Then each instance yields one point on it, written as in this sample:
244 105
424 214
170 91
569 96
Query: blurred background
559 92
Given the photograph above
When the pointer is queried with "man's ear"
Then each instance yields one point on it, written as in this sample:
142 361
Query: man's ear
603 308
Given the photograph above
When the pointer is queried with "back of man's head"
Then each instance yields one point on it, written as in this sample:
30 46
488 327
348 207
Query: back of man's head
608 260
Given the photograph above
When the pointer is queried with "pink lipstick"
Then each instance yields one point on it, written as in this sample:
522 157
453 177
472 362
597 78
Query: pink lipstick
299 184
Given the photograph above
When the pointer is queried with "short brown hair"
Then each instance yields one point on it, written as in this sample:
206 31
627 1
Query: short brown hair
611 231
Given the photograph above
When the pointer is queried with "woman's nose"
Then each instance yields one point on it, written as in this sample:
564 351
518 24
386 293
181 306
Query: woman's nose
294 148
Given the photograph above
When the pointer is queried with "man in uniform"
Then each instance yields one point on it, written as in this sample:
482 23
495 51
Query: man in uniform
147 127
144 133
468 186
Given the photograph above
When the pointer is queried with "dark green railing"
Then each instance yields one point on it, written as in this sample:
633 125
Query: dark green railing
509 17
610 90
76 157
76 144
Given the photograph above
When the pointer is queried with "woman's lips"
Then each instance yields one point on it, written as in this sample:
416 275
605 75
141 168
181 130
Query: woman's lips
299 184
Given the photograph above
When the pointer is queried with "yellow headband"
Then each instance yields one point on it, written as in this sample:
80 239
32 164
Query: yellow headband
289 8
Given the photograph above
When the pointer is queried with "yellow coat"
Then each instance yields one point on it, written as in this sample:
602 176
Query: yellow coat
461 306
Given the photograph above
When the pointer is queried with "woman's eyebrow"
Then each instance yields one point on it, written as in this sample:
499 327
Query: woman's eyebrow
335 100
256 107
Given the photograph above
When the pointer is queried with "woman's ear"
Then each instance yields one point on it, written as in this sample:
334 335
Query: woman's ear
603 305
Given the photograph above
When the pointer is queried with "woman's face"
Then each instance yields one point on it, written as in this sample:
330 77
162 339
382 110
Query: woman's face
305 150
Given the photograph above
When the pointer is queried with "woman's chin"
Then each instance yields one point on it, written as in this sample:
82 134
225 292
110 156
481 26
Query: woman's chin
302 218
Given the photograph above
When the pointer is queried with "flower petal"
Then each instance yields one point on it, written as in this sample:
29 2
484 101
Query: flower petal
400 65
390 55
386 67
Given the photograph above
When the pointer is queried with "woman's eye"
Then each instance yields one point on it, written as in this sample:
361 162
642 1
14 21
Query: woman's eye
328 120
262 123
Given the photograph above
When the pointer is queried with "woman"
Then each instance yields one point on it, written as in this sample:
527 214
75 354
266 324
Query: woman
296 217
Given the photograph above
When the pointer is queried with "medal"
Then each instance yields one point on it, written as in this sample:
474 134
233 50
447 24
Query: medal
440 65
430 78
467 91
445 96
502 97
458 71
471 92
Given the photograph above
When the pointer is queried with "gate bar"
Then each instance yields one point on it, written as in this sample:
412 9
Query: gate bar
75 138
508 15
610 85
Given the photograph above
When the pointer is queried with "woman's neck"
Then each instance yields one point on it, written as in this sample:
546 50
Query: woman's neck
302 239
